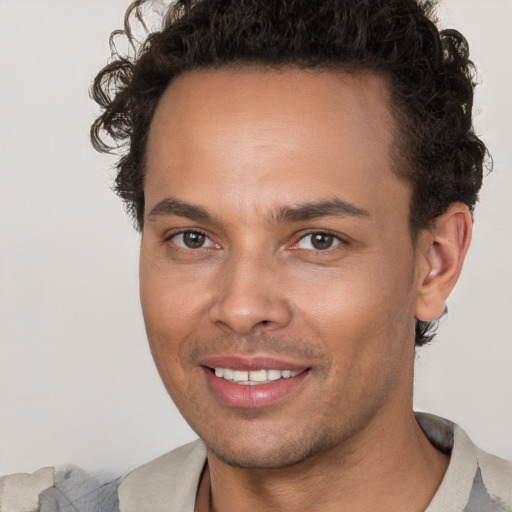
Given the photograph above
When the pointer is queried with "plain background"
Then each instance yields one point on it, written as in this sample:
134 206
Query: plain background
77 383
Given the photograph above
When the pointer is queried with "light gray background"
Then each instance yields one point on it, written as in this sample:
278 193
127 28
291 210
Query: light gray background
77 382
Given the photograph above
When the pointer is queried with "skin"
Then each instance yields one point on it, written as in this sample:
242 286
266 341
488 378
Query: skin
245 145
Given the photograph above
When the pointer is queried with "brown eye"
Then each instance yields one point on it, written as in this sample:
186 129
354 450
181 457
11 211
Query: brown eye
318 241
321 241
191 240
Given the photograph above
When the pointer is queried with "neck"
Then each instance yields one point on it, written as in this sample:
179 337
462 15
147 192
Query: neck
389 466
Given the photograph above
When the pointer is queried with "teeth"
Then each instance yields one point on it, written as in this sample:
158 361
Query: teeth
258 376
273 374
239 376
253 377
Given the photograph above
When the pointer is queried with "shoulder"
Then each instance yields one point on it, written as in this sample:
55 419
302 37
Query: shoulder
171 479
51 489
494 473
20 491
475 480
496 477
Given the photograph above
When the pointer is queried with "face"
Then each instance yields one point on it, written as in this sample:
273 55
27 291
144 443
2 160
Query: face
277 271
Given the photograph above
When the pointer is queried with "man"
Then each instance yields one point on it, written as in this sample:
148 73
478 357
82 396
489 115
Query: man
303 175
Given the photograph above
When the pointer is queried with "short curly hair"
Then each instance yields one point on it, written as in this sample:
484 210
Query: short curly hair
432 83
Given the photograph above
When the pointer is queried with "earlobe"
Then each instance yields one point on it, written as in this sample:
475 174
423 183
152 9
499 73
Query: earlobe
441 252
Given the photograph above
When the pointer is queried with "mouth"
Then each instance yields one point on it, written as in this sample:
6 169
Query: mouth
253 377
255 382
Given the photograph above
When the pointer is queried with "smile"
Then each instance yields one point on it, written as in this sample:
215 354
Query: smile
253 377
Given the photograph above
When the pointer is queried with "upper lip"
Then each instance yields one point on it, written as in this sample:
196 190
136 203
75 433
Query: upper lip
236 362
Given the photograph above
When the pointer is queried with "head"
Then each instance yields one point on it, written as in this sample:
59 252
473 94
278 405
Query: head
296 169
429 72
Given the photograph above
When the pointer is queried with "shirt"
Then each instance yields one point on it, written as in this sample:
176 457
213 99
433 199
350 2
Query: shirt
475 481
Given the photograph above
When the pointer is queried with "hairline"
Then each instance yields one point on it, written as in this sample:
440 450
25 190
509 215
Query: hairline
399 162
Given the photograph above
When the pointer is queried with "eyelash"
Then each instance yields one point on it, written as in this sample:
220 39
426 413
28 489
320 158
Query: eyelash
173 236
337 240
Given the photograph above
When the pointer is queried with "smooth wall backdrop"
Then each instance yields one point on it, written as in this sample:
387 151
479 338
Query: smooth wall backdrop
77 383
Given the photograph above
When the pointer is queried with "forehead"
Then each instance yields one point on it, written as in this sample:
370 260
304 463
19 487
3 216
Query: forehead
308 134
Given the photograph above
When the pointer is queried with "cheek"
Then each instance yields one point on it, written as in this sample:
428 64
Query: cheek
168 316
170 295
360 308
171 306
367 327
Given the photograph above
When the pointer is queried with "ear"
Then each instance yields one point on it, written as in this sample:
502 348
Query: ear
441 253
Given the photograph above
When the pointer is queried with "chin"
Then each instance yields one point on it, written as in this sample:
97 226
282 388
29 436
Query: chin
287 453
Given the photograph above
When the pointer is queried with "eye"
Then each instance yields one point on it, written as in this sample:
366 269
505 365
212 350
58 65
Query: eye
192 240
318 241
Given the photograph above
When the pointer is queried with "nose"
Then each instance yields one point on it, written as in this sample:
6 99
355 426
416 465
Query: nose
250 297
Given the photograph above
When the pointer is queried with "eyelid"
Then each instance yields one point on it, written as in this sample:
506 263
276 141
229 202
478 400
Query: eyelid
171 237
339 240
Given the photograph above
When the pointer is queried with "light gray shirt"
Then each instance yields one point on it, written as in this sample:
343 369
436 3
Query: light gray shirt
475 481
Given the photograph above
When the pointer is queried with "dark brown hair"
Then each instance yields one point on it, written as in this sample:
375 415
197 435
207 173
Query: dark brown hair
431 77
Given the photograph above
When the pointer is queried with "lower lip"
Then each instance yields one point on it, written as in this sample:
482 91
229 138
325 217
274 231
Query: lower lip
252 397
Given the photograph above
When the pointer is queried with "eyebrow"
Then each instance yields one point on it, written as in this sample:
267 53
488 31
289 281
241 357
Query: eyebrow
174 207
286 214
308 211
